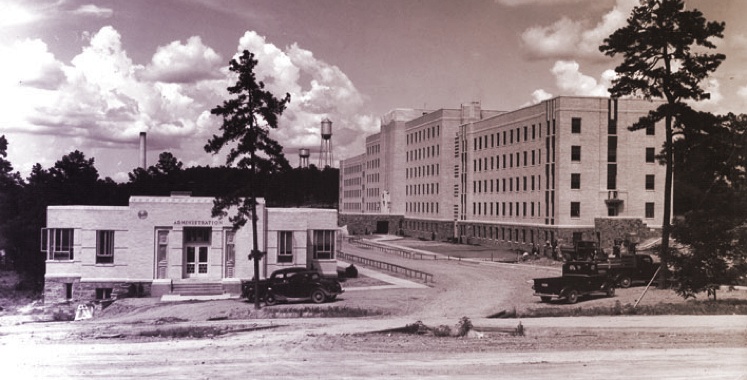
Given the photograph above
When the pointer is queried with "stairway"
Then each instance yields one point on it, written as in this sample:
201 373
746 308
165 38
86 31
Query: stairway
197 288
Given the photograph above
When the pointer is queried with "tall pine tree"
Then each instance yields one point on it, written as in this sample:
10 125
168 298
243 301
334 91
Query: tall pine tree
663 48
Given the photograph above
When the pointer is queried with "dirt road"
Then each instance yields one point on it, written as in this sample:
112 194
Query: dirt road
120 345
589 348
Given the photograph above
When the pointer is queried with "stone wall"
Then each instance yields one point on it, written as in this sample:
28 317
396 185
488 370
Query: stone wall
55 289
428 229
633 230
362 224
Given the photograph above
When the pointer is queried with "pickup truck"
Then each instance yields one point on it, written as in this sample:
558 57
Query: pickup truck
630 268
579 278
290 284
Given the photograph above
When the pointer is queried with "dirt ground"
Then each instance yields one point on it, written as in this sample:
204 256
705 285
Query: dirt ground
134 338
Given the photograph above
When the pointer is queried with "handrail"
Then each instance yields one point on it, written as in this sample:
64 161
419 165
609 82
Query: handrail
407 254
409 272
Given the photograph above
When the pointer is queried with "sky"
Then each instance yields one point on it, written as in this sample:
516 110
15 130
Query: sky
91 75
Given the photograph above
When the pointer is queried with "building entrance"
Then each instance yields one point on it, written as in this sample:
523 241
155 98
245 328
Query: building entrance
196 252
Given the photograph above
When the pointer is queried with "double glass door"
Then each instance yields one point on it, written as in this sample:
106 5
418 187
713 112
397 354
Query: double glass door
196 252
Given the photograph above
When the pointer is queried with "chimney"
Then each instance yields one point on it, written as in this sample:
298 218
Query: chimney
142 151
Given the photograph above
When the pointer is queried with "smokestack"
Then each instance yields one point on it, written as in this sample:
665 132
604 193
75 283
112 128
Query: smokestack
142 151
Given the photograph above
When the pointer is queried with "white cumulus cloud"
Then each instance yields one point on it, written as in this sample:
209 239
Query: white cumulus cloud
182 63
101 100
567 37
318 90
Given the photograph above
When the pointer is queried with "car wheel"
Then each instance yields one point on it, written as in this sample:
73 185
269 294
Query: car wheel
270 299
611 291
571 296
318 296
545 298
624 281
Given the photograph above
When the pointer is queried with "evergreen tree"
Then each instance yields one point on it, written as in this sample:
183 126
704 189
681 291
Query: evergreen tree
248 116
659 62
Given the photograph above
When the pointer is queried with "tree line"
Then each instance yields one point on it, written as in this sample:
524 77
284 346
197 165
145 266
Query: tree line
74 180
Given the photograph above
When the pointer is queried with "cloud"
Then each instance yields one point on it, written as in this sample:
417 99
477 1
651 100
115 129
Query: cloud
101 100
14 14
572 82
317 90
94 11
742 93
540 95
183 63
567 38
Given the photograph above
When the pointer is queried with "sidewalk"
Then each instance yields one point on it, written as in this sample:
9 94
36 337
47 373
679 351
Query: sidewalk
394 282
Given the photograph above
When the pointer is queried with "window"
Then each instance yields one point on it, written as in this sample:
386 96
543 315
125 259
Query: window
650 155
575 180
57 243
575 209
285 247
611 176
649 209
575 153
650 130
649 182
163 245
103 293
104 247
323 244
230 246
612 149
576 125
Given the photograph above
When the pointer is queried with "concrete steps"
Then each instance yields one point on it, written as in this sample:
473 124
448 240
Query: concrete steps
197 288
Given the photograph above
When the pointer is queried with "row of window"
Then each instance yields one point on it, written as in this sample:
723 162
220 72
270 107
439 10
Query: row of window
576 181
423 171
423 153
494 185
352 169
422 189
422 207
373 149
373 206
373 164
351 194
494 140
57 243
527 209
508 161
372 178
352 181
354 206
423 134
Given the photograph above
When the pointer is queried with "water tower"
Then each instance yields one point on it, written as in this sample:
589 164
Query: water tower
325 152
303 155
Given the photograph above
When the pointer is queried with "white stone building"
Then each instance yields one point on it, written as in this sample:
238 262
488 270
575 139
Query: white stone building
171 245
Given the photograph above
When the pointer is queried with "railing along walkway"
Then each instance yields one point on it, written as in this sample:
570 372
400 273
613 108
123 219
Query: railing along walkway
394 268
405 253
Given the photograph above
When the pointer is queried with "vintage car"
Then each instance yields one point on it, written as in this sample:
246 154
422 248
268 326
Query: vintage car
294 284
628 269
579 278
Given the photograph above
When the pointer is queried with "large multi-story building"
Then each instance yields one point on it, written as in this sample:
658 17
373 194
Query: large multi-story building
565 169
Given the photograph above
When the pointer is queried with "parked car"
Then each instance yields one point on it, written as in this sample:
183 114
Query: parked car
293 284
579 278
630 268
